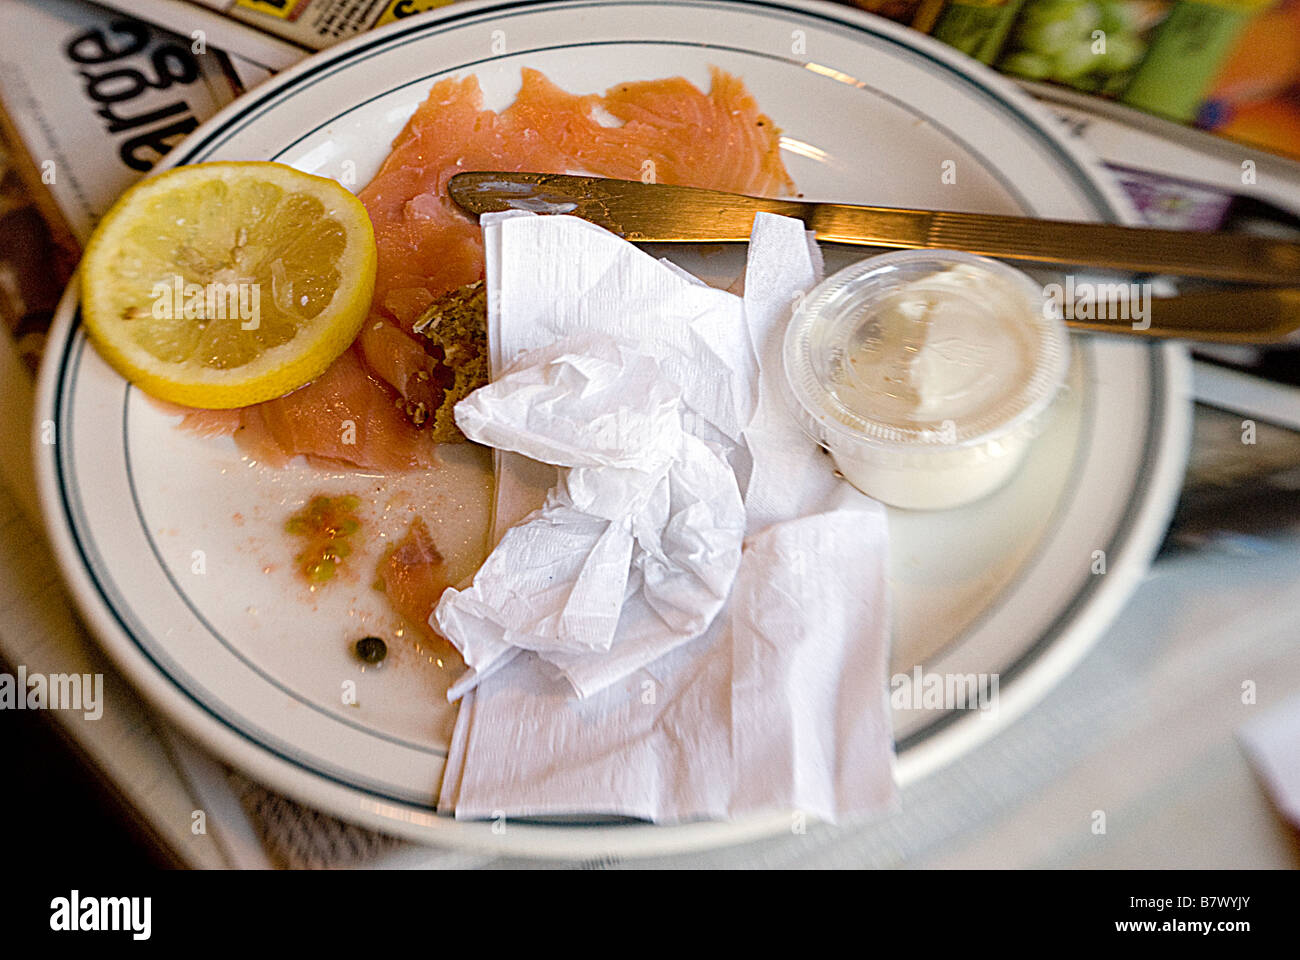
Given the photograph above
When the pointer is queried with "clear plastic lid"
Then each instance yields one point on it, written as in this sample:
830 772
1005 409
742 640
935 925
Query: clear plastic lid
920 347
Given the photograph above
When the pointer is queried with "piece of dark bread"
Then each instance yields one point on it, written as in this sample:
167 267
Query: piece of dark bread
455 328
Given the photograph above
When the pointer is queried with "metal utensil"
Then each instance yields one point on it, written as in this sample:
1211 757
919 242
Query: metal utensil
660 213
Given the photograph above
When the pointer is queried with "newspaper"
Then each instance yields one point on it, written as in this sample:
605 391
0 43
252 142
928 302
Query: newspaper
94 99
90 100
309 24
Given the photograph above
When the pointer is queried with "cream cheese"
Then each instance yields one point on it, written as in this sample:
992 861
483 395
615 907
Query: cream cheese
949 346
924 373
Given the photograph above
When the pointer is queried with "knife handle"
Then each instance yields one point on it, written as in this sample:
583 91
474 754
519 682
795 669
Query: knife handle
1263 315
1216 256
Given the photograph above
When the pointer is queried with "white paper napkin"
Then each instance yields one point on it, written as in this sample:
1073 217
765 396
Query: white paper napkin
638 542
781 703
552 281
1273 744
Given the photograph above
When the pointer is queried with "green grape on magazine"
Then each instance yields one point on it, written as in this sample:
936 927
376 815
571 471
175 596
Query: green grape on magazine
1091 45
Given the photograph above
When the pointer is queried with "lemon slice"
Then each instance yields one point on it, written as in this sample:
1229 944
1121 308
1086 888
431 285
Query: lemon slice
225 284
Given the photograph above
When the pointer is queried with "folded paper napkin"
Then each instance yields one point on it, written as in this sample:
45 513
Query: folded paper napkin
1272 742
644 640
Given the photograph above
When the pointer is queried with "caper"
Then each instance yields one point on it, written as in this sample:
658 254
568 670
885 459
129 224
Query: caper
371 649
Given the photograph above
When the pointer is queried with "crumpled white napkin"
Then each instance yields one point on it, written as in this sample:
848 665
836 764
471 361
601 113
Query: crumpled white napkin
697 337
1272 742
782 702
641 535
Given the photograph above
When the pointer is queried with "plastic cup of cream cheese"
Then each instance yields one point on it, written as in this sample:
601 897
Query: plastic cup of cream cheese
925 373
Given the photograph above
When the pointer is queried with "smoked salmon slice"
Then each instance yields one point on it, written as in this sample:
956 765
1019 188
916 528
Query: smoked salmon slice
347 415
665 130
413 576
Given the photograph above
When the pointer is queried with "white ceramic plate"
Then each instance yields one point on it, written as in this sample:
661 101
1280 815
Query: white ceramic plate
163 537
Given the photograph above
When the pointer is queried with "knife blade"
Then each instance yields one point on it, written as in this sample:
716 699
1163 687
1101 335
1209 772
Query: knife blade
662 213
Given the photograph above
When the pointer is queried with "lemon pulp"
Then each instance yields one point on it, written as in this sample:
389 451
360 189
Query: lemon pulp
225 284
